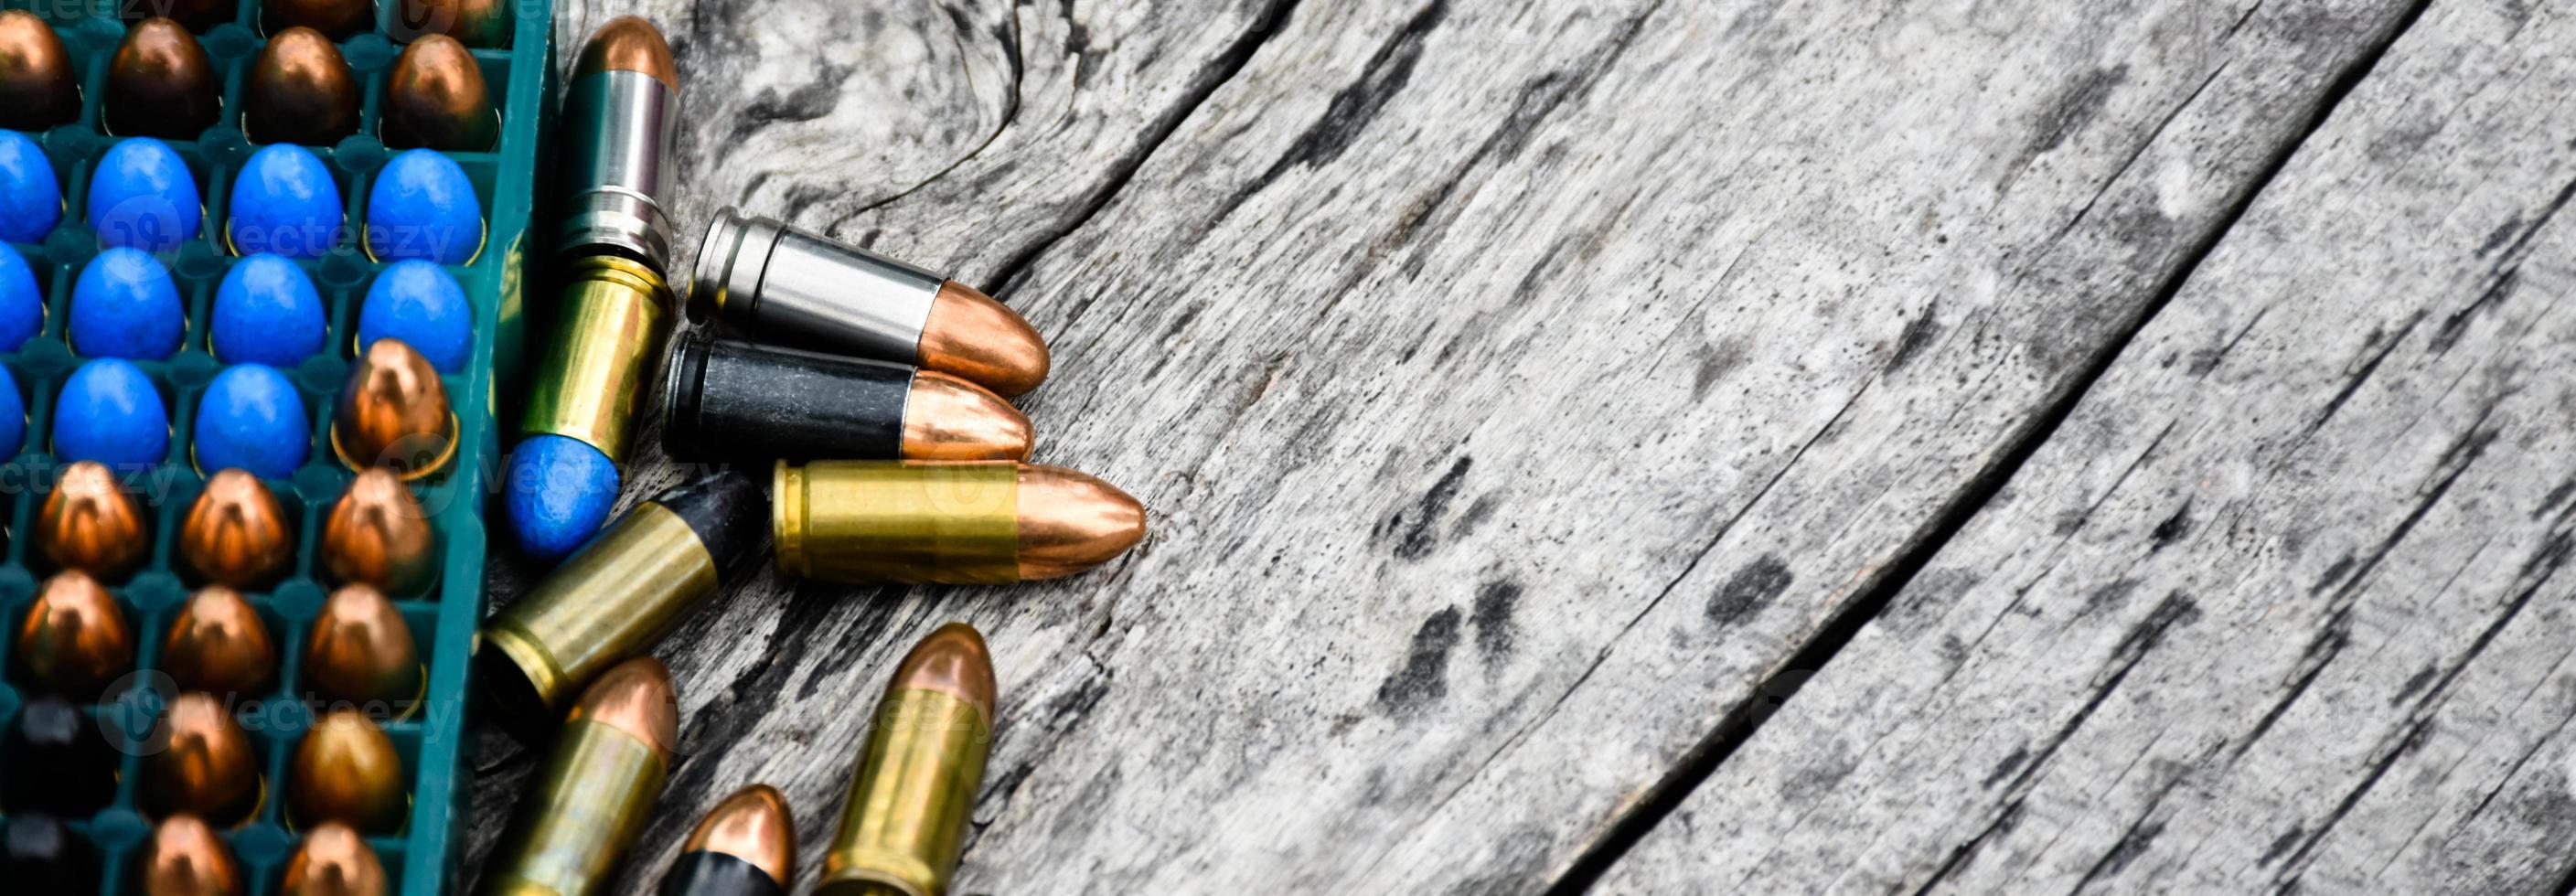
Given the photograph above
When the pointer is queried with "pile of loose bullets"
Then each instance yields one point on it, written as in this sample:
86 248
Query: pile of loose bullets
896 459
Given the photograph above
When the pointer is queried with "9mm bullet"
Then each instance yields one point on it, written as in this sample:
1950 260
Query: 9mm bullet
437 99
975 523
92 524
236 532
619 120
746 846
74 641
727 400
596 791
219 645
186 858
161 84
334 861
616 598
904 821
799 287
300 91
38 88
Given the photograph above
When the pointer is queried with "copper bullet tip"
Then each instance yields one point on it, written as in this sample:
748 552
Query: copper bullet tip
35 74
335 19
186 858
393 413
160 83
74 641
438 99
947 418
629 44
635 697
1071 522
951 660
377 534
361 652
91 523
346 770
334 861
752 825
219 645
208 770
972 336
236 532
300 91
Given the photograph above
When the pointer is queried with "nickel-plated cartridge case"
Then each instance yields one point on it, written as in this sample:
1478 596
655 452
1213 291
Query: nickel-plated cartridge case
728 400
620 117
596 792
904 821
789 285
615 599
966 523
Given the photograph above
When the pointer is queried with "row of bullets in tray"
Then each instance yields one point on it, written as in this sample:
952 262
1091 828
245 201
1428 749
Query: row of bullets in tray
300 89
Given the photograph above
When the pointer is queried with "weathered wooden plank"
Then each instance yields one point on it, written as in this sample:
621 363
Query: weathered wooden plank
1513 386
2281 606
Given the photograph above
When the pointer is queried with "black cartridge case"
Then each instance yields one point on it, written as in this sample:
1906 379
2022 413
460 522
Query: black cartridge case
730 400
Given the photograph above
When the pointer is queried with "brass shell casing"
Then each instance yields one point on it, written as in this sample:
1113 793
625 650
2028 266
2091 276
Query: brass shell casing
887 521
596 792
614 600
615 315
905 820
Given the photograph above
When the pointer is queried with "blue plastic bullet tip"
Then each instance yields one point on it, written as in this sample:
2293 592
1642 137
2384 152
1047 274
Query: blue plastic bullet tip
423 206
144 196
110 413
267 312
13 416
417 302
31 198
124 305
561 490
285 202
252 419
22 302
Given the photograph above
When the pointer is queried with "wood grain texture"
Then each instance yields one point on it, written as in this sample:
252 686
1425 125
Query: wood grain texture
2282 606
1515 386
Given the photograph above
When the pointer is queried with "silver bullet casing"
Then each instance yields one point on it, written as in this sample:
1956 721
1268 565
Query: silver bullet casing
618 134
764 276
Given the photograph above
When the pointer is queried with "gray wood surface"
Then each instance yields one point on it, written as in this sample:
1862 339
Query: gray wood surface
1523 392
2280 607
